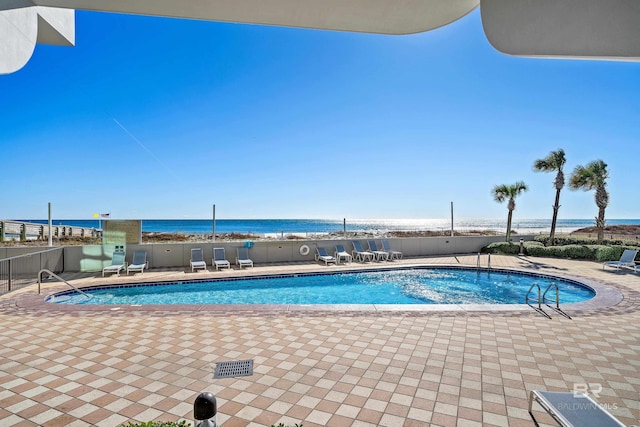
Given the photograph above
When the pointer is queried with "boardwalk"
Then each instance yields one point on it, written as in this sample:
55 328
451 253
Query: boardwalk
106 367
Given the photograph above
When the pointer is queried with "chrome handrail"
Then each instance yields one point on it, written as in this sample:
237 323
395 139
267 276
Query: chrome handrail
488 261
539 299
51 273
557 300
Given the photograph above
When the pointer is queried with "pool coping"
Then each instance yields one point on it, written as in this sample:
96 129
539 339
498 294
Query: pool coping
606 296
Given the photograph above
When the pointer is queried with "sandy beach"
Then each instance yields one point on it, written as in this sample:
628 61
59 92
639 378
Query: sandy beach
622 232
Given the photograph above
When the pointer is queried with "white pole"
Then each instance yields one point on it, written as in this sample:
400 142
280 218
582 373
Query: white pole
451 219
213 231
50 237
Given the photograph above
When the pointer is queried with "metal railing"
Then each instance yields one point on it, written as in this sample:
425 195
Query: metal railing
20 271
22 231
539 299
557 299
52 274
488 261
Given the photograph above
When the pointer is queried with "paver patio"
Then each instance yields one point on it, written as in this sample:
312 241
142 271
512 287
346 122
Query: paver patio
105 367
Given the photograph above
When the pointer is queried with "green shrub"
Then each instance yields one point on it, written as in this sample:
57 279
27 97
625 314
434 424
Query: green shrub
535 249
503 248
600 253
532 246
577 240
580 251
611 253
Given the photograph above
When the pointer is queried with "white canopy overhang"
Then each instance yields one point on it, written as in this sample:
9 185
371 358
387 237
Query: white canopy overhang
585 29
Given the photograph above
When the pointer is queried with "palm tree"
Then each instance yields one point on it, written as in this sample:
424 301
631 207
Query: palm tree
554 162
590 177
509 192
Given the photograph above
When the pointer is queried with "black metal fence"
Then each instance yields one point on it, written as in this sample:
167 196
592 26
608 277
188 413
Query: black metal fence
20 271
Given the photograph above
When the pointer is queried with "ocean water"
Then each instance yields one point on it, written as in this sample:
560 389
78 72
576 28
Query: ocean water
322 226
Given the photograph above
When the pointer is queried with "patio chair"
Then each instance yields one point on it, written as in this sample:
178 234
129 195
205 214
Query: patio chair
360 254
572 409
392 254
220 259
139 262
242 258
342 254
197 260
322 255
379 254
117 263
626 260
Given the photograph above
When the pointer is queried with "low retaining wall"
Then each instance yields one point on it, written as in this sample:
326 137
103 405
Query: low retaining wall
177 255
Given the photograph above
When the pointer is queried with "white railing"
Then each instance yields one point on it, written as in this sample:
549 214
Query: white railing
33 231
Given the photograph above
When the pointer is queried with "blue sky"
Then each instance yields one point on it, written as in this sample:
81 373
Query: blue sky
160 118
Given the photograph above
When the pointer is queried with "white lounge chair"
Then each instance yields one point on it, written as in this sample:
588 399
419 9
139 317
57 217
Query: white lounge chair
572 409
242 258
392 254
380 254
139 262
219 259
322 255
626 260
117 263
197 260
342 254
360 254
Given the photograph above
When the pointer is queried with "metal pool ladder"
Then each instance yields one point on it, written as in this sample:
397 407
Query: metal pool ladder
488 261
542 296
51 273
539 299
557 300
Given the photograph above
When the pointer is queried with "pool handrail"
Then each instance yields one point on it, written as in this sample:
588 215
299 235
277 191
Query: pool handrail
557 300
539 297
51 273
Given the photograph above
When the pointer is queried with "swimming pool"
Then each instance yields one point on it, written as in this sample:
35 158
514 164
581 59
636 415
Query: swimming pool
390 286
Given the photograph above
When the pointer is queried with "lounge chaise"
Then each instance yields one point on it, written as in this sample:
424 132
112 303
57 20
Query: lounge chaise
572 409
197 260
220 259
139 262
117 263
322 255
392 254
360 254
342 254
242 258
626 260
378 252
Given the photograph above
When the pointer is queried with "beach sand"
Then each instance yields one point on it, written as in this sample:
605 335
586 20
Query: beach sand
631 232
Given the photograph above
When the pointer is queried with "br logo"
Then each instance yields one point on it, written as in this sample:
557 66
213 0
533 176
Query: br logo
584 389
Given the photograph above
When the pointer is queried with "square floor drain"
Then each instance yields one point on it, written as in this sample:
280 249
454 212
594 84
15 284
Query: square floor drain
233 368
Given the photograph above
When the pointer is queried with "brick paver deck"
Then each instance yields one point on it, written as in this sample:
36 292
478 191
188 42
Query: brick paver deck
107 366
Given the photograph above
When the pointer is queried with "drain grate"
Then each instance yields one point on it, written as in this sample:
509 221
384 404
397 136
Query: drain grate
233 368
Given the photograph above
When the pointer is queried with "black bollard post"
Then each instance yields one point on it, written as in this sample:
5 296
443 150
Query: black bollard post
205 408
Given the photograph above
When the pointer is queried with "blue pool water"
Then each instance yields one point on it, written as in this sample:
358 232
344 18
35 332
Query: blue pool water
398 286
